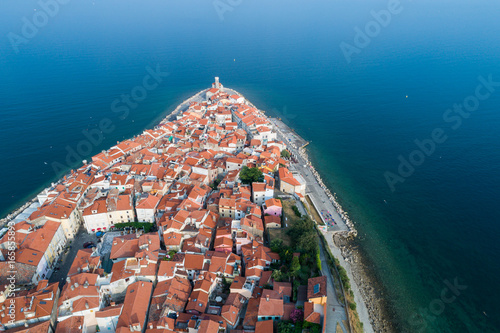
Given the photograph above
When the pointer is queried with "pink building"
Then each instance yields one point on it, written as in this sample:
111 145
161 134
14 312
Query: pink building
272 207
223 240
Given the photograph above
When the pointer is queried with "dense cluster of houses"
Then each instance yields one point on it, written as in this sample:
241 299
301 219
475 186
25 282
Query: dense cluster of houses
204 267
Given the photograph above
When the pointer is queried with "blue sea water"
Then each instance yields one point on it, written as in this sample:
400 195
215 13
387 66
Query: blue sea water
438 226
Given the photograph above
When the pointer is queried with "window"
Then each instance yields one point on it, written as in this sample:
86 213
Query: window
316 288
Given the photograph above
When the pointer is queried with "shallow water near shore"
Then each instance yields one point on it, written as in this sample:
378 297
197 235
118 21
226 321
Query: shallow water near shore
438 226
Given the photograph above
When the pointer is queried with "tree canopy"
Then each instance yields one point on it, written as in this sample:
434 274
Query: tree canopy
251 175
304 236
285 153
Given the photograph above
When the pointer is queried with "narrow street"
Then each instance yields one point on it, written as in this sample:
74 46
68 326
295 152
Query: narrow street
336 312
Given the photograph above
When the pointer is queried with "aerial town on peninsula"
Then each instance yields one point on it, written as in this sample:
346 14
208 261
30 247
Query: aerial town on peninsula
197 225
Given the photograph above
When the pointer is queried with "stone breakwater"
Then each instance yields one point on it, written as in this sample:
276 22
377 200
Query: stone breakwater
332 197
183 106
18 211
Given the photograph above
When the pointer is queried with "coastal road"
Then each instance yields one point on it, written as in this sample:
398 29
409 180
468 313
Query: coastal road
336 313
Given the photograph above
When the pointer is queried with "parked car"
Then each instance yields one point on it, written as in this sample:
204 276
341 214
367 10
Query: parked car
88 245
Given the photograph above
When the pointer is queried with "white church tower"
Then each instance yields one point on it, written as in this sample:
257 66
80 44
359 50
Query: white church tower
217 84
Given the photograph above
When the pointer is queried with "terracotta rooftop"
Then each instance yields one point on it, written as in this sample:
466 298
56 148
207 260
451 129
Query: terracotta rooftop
316 287
135 305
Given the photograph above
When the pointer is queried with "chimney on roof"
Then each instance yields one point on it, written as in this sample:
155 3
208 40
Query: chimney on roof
267 298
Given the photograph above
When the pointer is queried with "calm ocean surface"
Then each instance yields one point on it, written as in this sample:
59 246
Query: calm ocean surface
440 225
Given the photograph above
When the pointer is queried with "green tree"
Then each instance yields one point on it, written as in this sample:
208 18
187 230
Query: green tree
295 289
277 275
304 236
318 261
226 285
276 245
286 254
295 266
215 184
296 211
285 153
251 175
285 327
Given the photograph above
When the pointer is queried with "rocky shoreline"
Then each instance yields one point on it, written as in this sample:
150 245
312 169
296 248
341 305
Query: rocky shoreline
16 212
370 288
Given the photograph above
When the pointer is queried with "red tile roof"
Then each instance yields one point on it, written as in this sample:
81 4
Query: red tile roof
319 281
265 326
135 305
270 307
